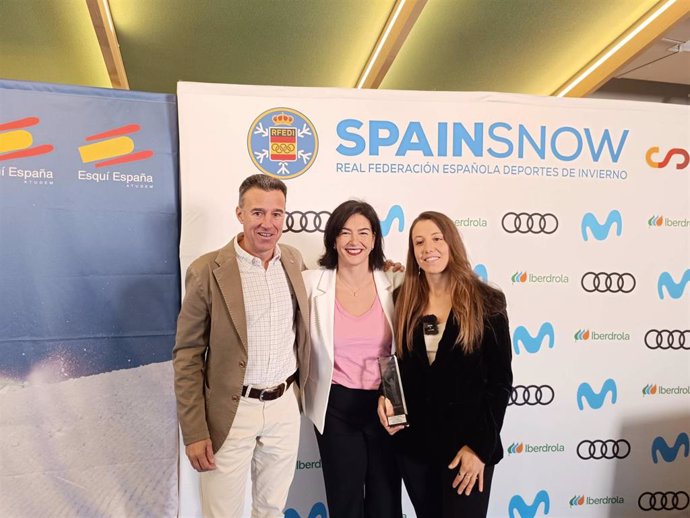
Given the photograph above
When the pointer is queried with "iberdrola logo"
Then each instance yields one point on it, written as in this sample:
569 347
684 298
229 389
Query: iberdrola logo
577 500
649 390
582 334
516 448
655 221
519 277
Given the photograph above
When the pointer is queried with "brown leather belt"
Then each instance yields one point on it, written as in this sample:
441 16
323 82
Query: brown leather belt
270 393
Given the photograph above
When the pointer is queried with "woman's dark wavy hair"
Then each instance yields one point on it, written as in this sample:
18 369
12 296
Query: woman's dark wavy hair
336 223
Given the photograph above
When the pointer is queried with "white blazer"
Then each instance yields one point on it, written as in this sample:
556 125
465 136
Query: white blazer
320 286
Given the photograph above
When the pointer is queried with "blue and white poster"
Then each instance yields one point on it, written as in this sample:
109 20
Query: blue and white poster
90 292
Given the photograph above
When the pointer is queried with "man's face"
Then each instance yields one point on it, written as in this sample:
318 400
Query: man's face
262 214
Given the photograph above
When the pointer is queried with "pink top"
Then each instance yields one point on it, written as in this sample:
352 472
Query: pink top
358 342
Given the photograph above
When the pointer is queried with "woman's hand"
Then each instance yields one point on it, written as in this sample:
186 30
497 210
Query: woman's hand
471 471
385 409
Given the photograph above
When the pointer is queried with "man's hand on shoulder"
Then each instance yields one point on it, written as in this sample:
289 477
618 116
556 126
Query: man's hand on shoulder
200 455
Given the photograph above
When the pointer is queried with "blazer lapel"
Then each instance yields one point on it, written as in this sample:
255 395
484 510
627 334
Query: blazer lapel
324 308
384 290
230 283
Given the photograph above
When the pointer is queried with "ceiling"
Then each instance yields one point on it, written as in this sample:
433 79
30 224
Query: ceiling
521 46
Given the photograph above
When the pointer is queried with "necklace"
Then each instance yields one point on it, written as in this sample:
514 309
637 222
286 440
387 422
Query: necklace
350 288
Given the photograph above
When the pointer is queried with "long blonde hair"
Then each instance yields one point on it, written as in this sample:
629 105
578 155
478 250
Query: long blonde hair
472 300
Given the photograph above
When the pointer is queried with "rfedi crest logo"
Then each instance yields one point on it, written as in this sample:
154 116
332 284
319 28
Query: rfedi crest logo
282 143
596 399
600 231
600 336
660 221
17 142
673 289
660 448
533 278
659 160
318 510
114 147
522 447
652 389
518 508
580 500
532 344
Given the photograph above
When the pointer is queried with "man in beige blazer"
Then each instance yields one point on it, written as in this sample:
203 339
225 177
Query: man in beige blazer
241 336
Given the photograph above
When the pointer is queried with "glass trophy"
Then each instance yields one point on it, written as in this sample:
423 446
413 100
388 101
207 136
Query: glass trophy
393 389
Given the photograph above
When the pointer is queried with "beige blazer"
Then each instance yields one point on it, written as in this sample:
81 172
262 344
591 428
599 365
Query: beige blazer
210 353
320 286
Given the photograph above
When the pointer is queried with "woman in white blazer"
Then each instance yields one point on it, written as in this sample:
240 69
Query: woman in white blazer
351 302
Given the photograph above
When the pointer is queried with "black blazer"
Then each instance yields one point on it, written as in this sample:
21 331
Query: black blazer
460 399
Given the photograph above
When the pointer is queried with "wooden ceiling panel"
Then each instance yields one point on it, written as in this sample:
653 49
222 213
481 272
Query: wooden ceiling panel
526 46
292 43
50 41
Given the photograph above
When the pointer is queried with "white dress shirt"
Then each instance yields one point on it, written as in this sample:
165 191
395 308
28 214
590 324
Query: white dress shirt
270 310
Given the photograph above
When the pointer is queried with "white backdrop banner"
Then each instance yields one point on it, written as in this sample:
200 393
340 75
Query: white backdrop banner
579 210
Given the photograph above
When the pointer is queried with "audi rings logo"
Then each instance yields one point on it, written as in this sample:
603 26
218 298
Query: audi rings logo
529 223
667 339
531 395
309 221
608 282
663 501
606 449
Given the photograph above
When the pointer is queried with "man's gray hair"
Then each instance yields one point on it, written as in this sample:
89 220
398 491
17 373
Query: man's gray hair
263 182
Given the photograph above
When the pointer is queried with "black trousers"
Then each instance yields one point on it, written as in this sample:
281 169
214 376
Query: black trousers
359 467
429 486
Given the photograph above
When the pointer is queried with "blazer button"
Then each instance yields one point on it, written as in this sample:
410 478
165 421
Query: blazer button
243 364
235 398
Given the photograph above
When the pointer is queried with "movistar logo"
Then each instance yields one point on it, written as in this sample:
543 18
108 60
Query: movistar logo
600 231
395 213
673 289
594 399
318 510
518 508
482 272
532 344
669 453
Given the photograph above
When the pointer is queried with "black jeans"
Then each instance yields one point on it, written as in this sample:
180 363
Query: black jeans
359 468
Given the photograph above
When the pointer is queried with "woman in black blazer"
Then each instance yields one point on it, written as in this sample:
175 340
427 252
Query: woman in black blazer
454 350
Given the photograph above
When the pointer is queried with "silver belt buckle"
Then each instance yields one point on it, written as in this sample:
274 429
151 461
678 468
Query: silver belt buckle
261 394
